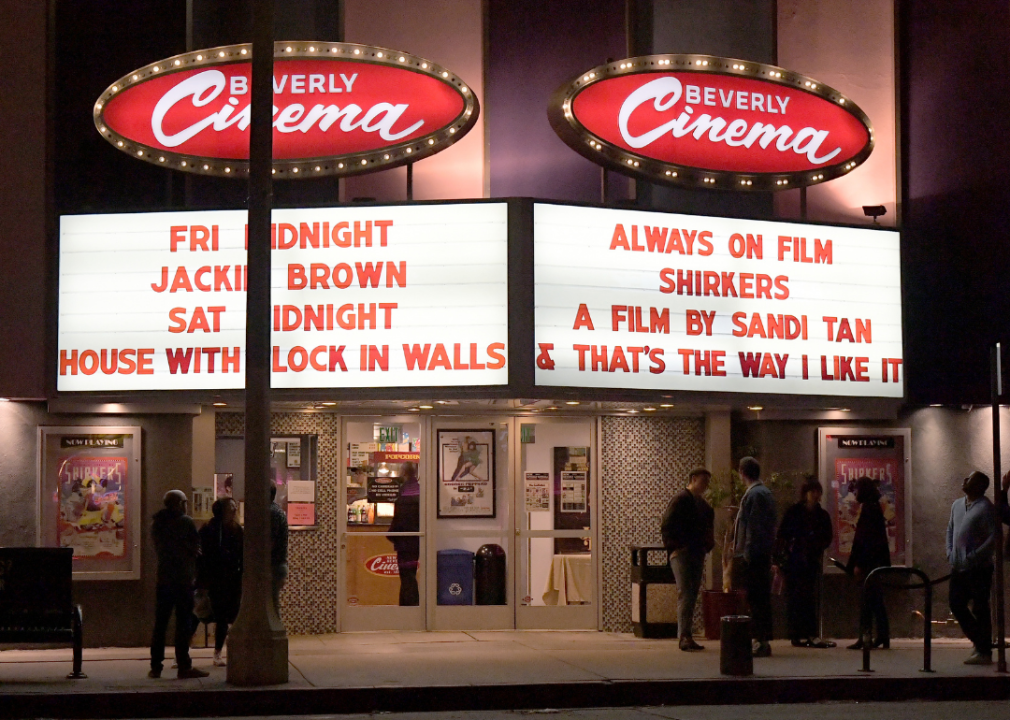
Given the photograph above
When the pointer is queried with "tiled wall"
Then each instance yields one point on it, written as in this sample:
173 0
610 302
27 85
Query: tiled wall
309 600
645 461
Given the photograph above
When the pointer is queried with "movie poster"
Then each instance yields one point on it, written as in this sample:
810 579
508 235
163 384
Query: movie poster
92 506
881 458
466 482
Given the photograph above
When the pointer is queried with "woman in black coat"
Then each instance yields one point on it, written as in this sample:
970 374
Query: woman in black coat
870 550
221 568
804 535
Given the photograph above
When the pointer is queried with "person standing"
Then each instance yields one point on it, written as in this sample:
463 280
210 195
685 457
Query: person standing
688 535
753 541
804 535
278 548
870 550
971 541
177 545
406 519
221 568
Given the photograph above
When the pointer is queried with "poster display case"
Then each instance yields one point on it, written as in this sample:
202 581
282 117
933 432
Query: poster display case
881 454
89 498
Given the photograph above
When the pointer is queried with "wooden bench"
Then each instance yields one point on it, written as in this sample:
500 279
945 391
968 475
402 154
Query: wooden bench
36 599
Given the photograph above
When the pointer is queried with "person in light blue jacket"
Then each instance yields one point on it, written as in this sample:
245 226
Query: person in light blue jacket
971 541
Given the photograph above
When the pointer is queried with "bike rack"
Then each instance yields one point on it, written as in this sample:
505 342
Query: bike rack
876 577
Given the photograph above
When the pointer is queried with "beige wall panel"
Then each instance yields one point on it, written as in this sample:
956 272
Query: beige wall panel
448 32
849 46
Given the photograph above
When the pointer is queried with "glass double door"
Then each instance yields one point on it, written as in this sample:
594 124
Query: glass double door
465 523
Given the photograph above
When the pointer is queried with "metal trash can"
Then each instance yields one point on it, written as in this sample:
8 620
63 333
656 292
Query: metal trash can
735 646
653 593
455 577
490 576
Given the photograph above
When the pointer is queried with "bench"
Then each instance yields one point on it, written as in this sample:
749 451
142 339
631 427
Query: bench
36 600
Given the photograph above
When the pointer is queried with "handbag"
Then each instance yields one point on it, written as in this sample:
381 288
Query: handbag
202 607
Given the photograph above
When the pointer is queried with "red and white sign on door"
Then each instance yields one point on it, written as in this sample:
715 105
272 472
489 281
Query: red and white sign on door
719 123
339 109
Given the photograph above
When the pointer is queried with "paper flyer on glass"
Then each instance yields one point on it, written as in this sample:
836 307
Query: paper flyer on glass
466 483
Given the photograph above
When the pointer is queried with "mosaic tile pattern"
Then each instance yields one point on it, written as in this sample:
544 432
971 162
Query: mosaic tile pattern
644 463
309 600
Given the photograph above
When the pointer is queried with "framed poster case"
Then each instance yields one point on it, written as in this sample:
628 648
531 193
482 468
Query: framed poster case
885 456
466 474
88 498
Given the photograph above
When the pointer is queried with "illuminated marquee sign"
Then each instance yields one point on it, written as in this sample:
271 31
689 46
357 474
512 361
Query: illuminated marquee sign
655 301
339 109
405 296
711 122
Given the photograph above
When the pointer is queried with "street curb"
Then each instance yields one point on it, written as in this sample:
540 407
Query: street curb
304 701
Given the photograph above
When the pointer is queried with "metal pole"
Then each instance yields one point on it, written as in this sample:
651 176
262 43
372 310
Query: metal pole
996 387
257 645
410 181
927 632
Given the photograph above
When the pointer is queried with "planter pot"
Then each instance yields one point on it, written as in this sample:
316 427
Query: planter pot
715 604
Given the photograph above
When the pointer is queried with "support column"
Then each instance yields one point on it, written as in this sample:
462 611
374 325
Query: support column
719 461
257 644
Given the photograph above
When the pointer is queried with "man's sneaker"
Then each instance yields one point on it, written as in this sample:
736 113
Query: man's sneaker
154 673
977 658
762 649
192 672
219 661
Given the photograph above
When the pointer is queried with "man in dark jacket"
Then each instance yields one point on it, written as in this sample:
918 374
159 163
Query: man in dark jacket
178 546
688 535
278 548
753 542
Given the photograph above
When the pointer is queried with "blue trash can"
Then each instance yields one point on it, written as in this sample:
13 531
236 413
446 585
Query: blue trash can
455 577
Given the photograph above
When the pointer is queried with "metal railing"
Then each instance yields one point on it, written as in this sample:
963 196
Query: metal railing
876 578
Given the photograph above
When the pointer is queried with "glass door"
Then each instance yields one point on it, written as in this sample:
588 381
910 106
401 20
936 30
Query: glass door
383 530
557 579
470 553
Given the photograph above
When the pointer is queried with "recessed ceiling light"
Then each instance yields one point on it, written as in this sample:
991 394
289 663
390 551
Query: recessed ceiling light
755 408
426 407
552 407
572 402
441 402
666 405
328 404
414 409
936 405
649 409
220 404
631 412
845 409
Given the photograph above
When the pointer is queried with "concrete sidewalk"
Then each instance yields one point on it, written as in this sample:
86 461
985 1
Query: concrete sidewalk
365 672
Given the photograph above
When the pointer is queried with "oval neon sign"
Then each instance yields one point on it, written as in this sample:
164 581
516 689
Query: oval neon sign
339 109
711 122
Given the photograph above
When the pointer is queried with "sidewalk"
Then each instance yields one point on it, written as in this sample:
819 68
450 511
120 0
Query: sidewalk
367 672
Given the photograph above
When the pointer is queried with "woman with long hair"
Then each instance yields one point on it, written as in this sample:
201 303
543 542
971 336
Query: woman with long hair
804 535
870 550
221 568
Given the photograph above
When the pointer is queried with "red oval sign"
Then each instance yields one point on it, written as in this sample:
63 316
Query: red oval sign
339 109
703 121
383 565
